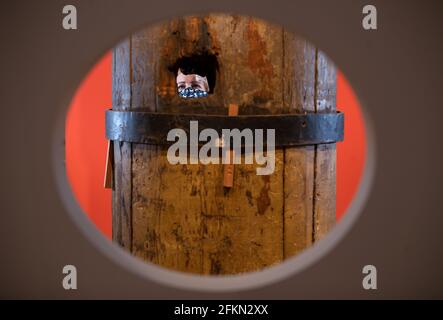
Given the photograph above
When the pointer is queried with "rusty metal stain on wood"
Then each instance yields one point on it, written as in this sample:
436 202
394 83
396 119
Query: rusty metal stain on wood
263 200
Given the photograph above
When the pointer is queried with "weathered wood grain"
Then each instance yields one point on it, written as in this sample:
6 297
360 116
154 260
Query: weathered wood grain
180 216
298 93
122 194
249 216
324 171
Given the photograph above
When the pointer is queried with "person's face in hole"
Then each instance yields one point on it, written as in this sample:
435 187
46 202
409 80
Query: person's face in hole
193 81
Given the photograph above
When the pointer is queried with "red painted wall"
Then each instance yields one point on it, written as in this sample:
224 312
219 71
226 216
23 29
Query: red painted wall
351 152
86 145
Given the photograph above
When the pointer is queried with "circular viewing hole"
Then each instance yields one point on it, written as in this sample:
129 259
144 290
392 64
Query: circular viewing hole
183 216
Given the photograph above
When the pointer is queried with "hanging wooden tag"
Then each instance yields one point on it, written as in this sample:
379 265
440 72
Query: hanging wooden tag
109 170
228 169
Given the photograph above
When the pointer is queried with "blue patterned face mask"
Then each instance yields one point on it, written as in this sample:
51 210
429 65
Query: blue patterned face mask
192 93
